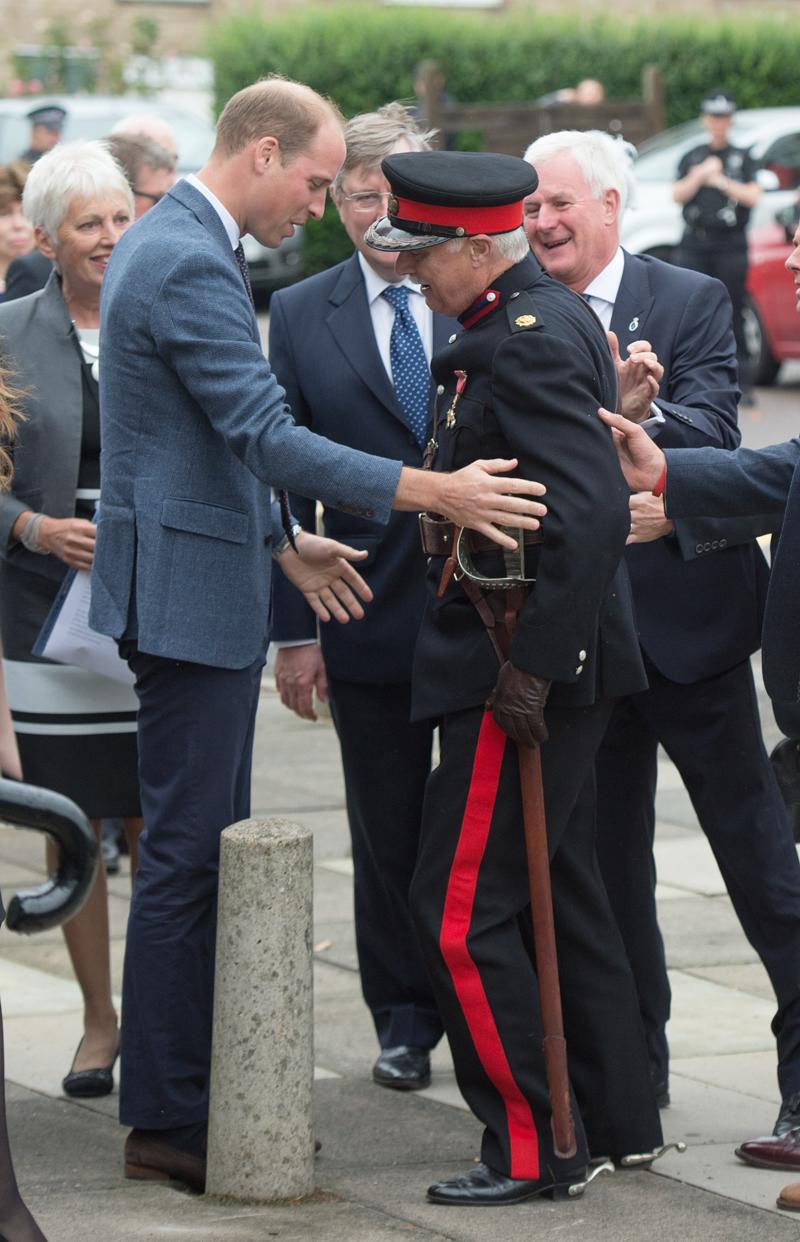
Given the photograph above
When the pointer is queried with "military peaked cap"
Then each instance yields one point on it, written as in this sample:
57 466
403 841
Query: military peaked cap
437 195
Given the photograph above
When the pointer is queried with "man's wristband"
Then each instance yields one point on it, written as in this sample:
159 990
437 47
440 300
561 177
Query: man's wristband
658 490
281 547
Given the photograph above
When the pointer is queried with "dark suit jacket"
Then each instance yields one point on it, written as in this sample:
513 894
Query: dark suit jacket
699 600
26 275
322 349
537 367
751 481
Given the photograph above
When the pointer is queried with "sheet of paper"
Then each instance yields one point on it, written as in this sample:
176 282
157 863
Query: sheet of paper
67 637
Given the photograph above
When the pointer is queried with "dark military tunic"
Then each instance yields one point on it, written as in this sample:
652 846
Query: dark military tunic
537 367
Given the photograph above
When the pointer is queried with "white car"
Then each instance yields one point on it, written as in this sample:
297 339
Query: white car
654 224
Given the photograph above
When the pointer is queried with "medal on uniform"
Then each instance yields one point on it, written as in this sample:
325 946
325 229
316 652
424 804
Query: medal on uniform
461 383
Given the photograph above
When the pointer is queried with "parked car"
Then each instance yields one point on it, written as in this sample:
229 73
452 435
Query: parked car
654 225
93 116
771 321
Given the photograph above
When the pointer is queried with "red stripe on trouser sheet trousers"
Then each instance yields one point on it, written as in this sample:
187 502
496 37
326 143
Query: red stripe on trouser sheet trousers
458 906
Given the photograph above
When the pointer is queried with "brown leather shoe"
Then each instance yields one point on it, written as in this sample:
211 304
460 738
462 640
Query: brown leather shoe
773 1152
789 1198
151 1159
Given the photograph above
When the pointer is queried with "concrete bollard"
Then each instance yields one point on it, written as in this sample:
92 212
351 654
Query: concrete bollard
260 1133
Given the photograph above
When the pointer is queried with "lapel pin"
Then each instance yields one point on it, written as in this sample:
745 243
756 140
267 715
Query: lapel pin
634 324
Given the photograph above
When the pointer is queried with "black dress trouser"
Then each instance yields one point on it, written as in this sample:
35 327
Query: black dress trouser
386 764
725 258
470 901
711 731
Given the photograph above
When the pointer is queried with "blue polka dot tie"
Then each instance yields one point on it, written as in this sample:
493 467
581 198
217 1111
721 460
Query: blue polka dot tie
410 373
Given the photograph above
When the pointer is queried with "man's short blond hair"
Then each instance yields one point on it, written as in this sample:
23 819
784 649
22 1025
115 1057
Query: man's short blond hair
274 107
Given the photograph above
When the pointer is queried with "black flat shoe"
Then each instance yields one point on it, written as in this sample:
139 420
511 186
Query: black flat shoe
404 1068
90 1083
484 1187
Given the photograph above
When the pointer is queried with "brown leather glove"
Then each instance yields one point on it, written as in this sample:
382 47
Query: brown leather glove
517 704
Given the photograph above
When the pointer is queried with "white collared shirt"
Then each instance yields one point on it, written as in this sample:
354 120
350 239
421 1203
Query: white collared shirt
601 293
228 222
382 313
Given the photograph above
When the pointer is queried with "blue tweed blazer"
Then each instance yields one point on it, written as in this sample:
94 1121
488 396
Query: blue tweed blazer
194 430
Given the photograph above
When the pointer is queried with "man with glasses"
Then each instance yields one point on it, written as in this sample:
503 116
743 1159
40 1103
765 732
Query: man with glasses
149 168
351 347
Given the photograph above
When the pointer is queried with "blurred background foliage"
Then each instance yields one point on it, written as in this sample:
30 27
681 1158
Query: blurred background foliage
362 57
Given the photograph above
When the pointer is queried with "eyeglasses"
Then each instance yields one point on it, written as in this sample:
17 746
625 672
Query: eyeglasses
366 200
154 198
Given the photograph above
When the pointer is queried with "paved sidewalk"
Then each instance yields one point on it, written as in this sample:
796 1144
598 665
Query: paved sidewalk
380 1148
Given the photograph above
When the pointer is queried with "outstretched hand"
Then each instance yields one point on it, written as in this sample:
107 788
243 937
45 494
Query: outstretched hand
640 458
475 497
322 570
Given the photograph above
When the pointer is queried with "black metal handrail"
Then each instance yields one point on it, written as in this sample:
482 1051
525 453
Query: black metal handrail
66 889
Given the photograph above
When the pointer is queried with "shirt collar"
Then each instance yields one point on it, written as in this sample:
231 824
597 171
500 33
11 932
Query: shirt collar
605 285
376 284
228 222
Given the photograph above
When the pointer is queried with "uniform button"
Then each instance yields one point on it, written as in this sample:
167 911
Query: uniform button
440 389
723 543
715 544
579 669
706 547
698 547
491 297
515 295
581 655
454 337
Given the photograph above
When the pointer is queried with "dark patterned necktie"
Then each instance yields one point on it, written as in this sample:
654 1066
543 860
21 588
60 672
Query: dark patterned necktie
410 373
283 499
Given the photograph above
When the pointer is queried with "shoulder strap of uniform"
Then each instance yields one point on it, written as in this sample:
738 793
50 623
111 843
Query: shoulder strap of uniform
522 313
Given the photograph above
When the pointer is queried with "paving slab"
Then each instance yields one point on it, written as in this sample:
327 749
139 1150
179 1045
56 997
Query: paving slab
708 1017
703 931
688 863
749 1073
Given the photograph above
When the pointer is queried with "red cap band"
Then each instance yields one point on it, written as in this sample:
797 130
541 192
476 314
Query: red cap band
472 219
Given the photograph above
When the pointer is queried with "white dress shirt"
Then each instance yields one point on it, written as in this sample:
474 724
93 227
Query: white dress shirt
601 294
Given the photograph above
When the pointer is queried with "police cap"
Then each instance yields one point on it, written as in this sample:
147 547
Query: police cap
438 195
50 115
718 104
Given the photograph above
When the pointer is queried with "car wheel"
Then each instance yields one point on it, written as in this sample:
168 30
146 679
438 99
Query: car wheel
765 366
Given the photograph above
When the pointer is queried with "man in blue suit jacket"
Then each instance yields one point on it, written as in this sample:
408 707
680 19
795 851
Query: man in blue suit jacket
330 347
765 485
698 596
194 429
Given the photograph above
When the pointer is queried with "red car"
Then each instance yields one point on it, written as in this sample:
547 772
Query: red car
771 321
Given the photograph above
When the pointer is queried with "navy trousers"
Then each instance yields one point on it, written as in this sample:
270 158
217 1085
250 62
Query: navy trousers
471 902
196 727
386 762
711 731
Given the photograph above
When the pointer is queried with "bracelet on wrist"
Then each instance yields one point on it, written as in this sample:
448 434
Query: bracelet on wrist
29 535
285 542
658 490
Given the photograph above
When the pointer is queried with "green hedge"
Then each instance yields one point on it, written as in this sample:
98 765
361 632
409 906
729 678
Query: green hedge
363 56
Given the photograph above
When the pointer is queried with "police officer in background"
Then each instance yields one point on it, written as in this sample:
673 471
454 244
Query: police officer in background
521 380
47 127
717 187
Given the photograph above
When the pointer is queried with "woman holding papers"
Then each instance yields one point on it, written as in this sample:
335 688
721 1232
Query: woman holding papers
76 730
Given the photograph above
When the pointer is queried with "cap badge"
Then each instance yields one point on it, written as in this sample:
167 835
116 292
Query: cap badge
392 205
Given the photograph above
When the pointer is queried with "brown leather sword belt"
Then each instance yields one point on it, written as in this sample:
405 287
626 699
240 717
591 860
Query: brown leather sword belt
437 537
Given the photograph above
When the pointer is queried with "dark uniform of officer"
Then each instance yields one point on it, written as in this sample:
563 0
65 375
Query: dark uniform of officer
48 119
714 239
524 380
